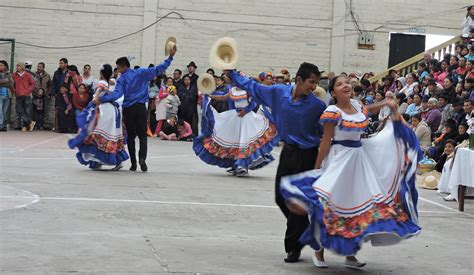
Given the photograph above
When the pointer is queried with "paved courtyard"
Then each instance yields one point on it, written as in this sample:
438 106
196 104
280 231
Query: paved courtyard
182 217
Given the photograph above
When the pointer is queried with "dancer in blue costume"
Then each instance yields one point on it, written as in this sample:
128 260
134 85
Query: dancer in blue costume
239 138
361 190
101 136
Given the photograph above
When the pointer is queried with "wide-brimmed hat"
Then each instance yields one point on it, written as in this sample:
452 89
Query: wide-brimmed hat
224 54
170 44
429 180
206 83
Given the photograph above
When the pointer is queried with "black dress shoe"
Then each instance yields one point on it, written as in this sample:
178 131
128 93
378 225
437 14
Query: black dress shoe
292 256
133 167
143 165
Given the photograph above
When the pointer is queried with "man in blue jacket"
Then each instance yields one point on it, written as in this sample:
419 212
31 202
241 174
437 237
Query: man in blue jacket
133 84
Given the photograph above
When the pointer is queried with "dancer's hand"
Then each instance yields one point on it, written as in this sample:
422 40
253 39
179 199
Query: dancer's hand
96 101
173 51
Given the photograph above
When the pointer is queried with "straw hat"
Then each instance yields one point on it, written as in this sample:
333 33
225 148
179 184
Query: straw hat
170 44
224 54
206 83
429 180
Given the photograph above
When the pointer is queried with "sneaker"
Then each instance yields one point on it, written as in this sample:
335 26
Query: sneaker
318 263
356 264
242 172
117 167
23 129
449 198
32 126
231 172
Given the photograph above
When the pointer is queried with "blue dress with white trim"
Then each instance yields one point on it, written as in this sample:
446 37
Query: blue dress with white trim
365 190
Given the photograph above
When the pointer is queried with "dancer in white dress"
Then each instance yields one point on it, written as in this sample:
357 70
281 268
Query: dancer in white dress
361 190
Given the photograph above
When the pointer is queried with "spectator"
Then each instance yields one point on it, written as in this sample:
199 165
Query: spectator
468 22
402 103
211 72
453 63
422 131
458 112
221 90
38 107
6 87
427 58
411 81
170 129
469 69
422 71
73 79
385 110
433 89
177 82
433 117
462 133
87 78
60 75
450 131
65 111
192 73
188 95
462 69
469 88
43 80
172 102
469 115
401 83
28 67
160 105
448 149
153 89
415 106
80 99
439 76
449 89
185 132
379 96
446 110
24 86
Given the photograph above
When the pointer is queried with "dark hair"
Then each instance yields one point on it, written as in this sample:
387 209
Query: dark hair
422 64
469 80
392 71
186 76
452 142
136 67
4 63
106 71
306 70
179 71
42 63
181 122
82 84
406 117
358 90
333 82
388 77
169 77
73 68
365 82
123 61
87 65
65 86
64 59
401 97
417 116
151 65
444 96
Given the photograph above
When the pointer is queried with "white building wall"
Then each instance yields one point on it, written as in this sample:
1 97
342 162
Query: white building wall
271 33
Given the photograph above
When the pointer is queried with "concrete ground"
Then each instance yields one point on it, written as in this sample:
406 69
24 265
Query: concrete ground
183 216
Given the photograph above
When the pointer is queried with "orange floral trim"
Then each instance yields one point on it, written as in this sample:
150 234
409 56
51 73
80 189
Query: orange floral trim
352 227
104 144
239 153
354 124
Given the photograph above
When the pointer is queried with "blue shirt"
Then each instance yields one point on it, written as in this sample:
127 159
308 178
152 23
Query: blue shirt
133 84
297 122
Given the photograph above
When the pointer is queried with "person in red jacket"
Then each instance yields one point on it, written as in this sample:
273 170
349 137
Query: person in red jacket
24 84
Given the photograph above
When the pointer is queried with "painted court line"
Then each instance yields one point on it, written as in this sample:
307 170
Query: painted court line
72 158
36 144
445 207
452 210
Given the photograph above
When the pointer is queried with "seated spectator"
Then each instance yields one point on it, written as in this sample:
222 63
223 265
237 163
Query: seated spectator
463 135
169 131
469 69
468 110
379 96
458 111
415 106
184 131
448 149
402 103
401 83
439 76
422 131
444 167
422 71
462 69
446 110
385 110
433 118
450 132
411 80
468 92
434 90
424 107
449 89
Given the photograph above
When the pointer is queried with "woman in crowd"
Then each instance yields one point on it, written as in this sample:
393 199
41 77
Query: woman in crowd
80 99
422 131
444 166
101 137
450 131
441 75
449 88
160 105
412 81
185 132
462 133
73 79
401 100
381 204
188 94
65 111
433 116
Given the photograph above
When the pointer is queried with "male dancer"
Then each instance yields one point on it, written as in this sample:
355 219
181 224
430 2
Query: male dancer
296 112
133 84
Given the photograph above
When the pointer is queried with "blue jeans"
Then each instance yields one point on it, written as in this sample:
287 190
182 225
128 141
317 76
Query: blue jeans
23 110
4 101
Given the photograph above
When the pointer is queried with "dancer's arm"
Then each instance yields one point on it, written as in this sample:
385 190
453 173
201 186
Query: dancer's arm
220 97
149 73
114 95
325 144
265 95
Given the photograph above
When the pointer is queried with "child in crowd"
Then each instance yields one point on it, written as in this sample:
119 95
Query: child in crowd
65 111
185 133
170 129
38 108
172 102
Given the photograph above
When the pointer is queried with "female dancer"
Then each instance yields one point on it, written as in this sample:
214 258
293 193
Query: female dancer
239 138
101 136
366 188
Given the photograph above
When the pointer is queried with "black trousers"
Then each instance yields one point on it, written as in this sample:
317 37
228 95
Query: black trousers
135 118
293 160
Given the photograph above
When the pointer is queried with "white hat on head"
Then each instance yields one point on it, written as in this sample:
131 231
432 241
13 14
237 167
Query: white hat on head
28 63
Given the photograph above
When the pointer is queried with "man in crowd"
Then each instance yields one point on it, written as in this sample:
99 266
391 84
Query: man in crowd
24 84
43 80
192 73
6 86
133 84
58 79
177 78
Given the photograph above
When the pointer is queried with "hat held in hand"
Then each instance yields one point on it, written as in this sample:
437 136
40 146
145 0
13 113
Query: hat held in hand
206 83
170 44
224 54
